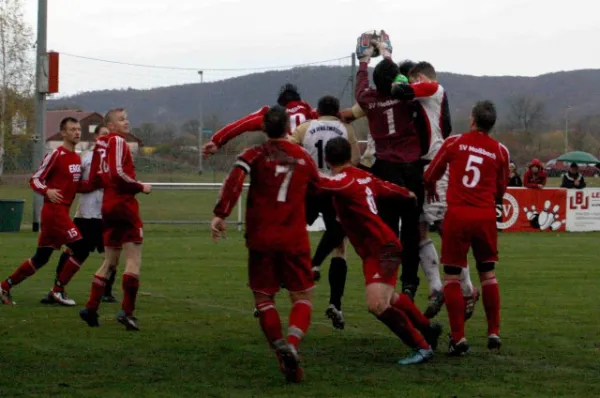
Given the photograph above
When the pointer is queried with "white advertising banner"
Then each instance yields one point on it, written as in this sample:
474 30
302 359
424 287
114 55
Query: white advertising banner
583 210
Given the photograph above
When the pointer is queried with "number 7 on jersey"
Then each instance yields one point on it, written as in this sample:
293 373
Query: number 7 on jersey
285 185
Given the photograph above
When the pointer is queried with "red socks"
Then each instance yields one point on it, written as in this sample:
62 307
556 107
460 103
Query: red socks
131 284
24 271
491 303
400 324
269 321
68 271
455 304
96 293
405 304
299 321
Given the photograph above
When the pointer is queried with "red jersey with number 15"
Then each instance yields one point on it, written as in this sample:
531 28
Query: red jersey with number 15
354 193
478 170
280 173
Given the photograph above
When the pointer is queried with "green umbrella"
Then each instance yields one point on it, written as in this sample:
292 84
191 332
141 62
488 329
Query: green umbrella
578 157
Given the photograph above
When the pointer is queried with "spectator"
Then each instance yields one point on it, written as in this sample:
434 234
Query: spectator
515 178
573 179
535 176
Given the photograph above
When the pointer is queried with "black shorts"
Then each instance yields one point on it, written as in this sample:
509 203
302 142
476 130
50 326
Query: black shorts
320 203
91 229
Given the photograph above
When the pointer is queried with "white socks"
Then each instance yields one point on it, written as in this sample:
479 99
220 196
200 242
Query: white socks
430 263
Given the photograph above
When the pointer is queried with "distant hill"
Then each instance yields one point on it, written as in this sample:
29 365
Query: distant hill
232 98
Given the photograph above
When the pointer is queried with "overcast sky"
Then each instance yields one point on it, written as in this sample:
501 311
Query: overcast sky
492 37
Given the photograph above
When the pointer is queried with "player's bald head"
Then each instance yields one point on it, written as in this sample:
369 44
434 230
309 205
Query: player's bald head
112 114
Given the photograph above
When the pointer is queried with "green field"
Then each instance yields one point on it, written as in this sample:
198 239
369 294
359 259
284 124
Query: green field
199 338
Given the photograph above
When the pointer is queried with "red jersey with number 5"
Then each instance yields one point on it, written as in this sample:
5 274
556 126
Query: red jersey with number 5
298 111
354 193
478 170
280 173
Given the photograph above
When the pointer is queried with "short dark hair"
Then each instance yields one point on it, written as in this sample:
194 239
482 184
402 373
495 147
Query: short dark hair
288 93
484 115
384 75
99 127
328 106
111 113
574 165
68 119
338 151
276 122
425 68
405 67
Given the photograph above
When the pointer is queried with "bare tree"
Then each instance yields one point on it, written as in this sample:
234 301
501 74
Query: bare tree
526 114
16 66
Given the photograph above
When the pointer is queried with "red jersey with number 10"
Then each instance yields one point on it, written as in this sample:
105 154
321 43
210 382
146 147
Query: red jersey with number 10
280 173
478 170
354 193
112 163
298 111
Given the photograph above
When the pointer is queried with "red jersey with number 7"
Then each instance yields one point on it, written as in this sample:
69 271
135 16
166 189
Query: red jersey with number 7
280 173
354 193
478 170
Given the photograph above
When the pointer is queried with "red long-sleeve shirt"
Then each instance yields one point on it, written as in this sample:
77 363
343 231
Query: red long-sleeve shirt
298 111
478 170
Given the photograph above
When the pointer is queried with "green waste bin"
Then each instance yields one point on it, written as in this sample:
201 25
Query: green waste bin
11 215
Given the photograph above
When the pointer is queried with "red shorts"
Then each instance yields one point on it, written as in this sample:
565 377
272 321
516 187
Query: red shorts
464 228
57 227
122 225
375 273
268 271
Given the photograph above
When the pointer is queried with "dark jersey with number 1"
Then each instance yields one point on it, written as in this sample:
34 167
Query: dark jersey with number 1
280 173
391 122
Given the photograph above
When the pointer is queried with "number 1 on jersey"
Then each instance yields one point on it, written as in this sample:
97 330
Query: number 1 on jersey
390 120
320 160
285 185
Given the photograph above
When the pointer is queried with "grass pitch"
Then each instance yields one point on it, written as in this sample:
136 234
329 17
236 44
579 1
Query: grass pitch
199 338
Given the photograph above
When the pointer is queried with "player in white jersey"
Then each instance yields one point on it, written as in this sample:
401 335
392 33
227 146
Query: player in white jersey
434 120
314 136
88 219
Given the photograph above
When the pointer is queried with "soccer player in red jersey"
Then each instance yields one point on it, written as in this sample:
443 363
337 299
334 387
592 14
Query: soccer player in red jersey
355 192
276 235
58 180
478 176
113 164
297 110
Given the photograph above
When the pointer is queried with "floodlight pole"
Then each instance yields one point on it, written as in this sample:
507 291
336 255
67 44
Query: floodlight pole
39 139
200 127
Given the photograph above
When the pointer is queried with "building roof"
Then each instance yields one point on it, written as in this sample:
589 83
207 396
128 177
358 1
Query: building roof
53 119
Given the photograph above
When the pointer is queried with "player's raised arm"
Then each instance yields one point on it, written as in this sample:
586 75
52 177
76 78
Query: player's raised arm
252 122
116 153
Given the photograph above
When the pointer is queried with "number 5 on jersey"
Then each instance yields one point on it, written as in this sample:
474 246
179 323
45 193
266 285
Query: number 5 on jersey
472 164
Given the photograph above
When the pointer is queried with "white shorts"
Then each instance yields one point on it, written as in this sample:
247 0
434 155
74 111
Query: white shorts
435 211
